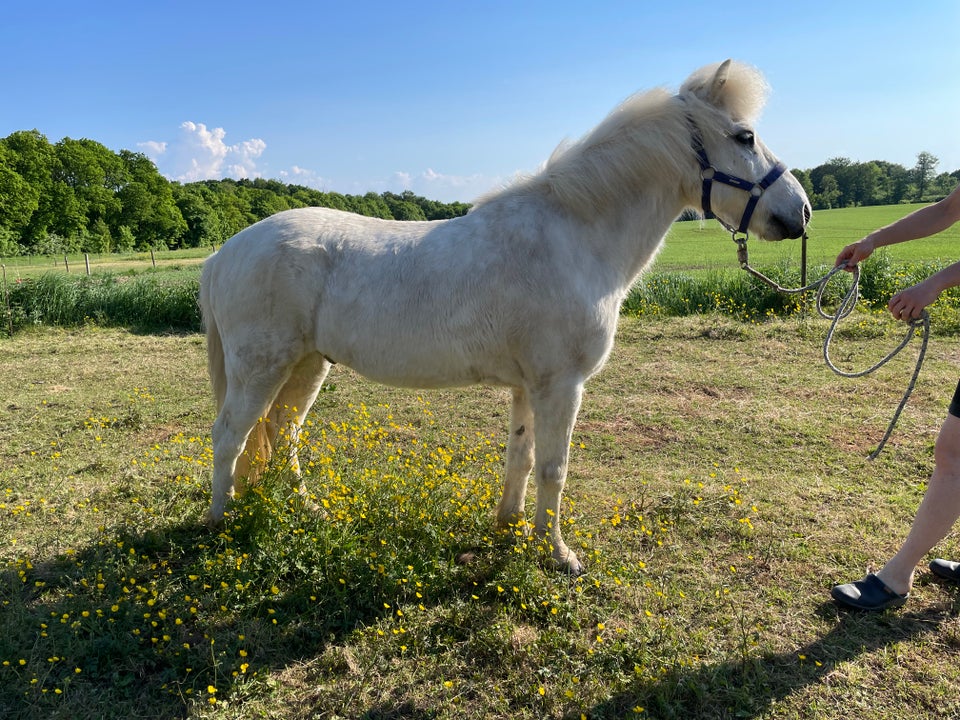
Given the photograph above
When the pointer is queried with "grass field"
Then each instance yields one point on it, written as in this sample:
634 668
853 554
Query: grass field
16 268
695 245
718 488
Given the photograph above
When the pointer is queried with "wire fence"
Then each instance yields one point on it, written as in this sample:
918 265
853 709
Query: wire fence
23 266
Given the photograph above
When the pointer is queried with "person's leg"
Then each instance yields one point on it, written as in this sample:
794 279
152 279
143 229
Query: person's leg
938 511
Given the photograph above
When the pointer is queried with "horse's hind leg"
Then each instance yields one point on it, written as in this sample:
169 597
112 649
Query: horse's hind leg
293 402
520 448
249 395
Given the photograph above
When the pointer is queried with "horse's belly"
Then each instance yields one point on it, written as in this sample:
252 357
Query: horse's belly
429 369
434 381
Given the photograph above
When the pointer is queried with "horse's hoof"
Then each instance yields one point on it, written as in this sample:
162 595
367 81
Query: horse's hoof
305 502
568 563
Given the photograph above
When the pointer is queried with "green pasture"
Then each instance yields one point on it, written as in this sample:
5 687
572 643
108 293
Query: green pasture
718 487
29 266
700 245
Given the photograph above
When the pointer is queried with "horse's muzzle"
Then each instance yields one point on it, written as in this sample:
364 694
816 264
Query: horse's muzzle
789 227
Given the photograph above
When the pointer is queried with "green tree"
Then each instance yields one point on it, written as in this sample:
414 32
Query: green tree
9 243
123 239
34 160
147 205
403 207
68 219
197 206
924 172
19 200
265 202
942 185
829 194
95 175
864 183
371 205
830 182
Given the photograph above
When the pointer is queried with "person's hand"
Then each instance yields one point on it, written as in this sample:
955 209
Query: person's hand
909 304
854 253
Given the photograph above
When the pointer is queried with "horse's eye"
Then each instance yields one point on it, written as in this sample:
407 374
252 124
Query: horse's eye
745 137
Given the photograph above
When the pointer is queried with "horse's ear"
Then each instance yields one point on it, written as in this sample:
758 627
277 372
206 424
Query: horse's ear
732 87
715 93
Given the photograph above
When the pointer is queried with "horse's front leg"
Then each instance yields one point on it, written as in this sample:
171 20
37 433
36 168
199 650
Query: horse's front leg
520 446
555 411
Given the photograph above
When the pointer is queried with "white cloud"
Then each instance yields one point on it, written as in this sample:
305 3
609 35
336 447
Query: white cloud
297 175
153 148
199 153
446 188
428 183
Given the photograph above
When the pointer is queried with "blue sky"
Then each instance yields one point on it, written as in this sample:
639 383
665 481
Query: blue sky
451 99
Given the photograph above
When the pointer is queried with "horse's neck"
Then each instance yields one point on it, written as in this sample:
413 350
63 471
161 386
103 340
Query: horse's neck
629 237
627 214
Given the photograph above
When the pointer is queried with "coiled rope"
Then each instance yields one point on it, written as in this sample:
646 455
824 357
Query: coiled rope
846 306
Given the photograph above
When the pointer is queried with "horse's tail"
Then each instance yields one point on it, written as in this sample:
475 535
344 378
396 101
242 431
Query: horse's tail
215 362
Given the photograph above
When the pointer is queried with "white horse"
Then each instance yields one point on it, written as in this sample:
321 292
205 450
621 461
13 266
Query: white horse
523 292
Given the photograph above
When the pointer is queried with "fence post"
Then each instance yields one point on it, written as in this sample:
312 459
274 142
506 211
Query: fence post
803 268
86 260
6 300
803 260
66 263
153 259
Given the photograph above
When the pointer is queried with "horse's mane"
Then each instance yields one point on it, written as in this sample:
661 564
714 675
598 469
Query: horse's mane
646 135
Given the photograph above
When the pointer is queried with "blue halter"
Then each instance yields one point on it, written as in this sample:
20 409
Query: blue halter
709 174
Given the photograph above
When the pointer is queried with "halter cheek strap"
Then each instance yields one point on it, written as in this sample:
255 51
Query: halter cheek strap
710 174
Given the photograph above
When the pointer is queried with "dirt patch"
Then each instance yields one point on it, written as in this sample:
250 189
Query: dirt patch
630 432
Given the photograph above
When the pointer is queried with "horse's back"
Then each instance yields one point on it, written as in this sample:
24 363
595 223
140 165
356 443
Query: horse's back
304 230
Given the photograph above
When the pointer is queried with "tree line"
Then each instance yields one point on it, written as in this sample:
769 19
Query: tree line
841 182
79 196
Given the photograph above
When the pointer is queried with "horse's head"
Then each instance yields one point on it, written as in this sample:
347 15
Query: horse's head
740 181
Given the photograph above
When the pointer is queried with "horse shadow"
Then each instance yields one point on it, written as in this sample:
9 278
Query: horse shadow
748 687
38 609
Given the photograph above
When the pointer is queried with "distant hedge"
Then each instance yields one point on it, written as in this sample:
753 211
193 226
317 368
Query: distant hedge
148 301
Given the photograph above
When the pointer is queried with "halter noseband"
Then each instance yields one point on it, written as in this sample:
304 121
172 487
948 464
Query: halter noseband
709 174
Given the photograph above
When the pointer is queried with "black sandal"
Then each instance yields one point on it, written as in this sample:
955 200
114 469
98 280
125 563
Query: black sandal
946 569
868 594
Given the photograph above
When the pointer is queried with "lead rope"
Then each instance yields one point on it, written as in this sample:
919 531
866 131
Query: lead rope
846 307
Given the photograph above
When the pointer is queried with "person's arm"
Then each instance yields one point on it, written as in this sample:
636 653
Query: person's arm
909 303
924 222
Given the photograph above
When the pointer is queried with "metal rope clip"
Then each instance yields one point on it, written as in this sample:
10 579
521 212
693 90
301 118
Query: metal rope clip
742 256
